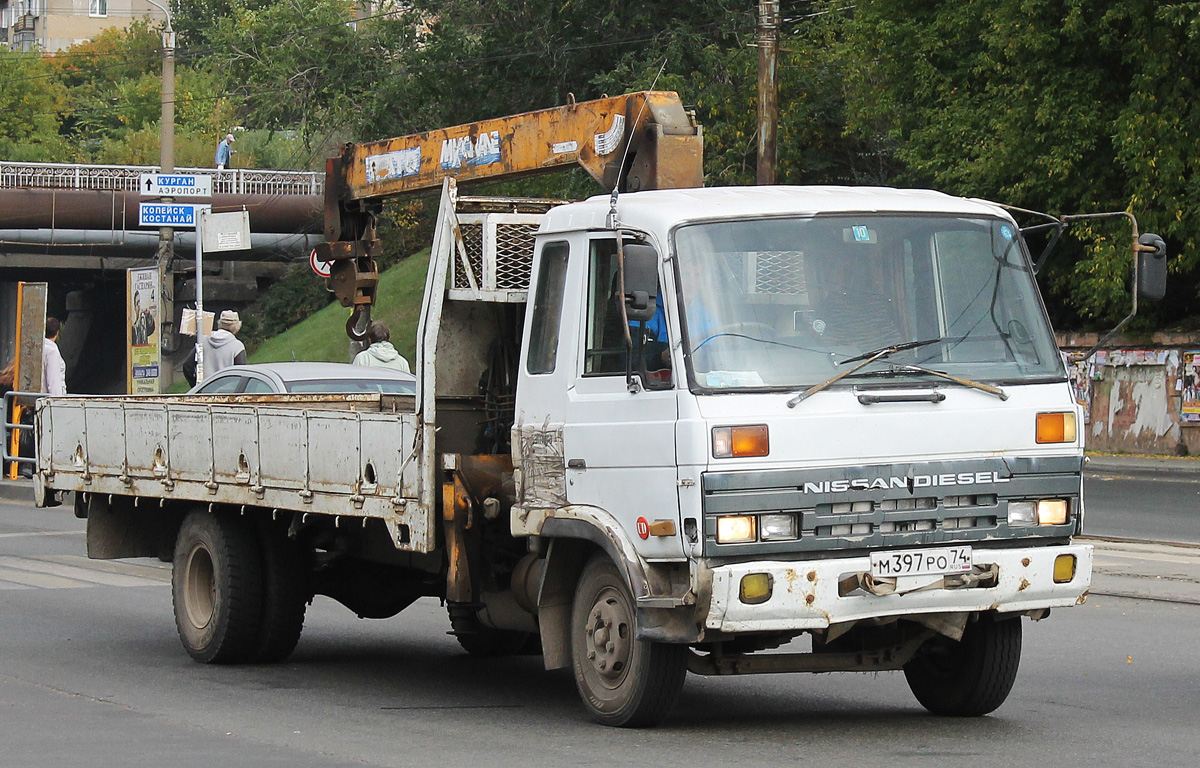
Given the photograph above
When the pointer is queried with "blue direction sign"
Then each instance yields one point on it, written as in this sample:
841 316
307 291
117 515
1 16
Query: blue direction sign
180 215
175 185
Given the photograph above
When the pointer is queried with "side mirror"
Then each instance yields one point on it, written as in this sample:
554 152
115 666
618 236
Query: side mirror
641 281
1151 267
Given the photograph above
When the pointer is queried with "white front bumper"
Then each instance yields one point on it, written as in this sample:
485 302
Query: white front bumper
805 594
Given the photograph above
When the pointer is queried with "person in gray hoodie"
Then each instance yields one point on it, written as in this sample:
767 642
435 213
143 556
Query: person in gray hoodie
381 353
222 348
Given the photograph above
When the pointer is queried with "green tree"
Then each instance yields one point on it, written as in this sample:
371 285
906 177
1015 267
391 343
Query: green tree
29 101
1061 105
302 65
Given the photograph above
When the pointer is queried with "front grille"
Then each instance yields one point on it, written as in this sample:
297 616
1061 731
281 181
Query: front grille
869 507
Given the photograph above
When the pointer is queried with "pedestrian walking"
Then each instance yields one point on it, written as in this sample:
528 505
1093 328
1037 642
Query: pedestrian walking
222 347
225 151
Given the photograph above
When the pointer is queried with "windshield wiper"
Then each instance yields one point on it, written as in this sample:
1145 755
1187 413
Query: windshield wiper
1000 393
863 360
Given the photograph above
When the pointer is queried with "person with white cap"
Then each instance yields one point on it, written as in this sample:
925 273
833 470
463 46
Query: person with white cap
222 348
224 151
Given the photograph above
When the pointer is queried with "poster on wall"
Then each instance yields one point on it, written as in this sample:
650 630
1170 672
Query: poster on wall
142 319
1080 374
1190 377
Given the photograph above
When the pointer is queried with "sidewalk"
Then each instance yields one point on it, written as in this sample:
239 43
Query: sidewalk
1145 571
16 490
1142 465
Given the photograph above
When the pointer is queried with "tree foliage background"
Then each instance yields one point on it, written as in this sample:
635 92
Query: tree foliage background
1064 106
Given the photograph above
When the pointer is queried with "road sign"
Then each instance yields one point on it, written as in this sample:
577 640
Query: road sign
322 268
175 185
179 215
225 231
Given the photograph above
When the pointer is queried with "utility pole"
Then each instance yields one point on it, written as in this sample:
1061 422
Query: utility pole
166 235
768 101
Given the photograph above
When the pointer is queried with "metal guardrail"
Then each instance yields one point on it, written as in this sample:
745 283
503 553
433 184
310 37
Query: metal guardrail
10 398
233 181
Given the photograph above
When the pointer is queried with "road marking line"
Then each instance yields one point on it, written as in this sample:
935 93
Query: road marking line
41 580
1153 558
87 576
157 572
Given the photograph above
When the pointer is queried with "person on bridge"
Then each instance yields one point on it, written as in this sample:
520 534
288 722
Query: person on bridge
381 353
225 151
222 348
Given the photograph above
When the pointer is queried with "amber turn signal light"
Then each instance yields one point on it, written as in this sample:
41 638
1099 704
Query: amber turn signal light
740 442
1056 427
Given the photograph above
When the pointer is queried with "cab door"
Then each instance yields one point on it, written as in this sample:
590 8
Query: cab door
618 444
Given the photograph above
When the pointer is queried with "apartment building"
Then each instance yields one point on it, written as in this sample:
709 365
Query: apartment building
52 25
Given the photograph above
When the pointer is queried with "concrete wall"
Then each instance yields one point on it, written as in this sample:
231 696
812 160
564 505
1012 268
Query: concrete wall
1140 395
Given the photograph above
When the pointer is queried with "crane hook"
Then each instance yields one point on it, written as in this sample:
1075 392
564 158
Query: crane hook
356 326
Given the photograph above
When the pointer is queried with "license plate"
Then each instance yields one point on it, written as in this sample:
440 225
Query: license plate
921 562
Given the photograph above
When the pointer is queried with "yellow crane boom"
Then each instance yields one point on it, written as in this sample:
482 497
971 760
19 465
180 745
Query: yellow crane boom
636 141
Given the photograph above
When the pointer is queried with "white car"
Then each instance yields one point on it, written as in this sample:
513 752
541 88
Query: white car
306 379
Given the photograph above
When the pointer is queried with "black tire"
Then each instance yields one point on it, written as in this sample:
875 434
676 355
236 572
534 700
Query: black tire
286 593
623 681
972 677
216 588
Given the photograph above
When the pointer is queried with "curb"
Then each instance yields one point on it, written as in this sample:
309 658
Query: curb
16 490
1142 467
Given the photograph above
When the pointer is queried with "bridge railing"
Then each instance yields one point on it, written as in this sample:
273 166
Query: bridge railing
233 181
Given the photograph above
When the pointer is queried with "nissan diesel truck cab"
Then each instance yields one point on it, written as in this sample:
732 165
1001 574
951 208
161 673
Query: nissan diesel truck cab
840 412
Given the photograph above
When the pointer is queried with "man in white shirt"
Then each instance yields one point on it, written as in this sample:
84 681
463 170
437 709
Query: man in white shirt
54 368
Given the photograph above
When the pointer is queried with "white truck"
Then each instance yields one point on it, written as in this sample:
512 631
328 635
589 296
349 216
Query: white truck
658 432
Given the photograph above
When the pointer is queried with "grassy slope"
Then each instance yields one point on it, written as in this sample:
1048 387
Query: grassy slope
322 336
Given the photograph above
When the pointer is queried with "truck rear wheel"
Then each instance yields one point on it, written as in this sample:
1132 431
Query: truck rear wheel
286 592
216 588
623 681
972 677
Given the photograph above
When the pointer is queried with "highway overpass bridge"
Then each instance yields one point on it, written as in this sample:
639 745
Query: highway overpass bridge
76 228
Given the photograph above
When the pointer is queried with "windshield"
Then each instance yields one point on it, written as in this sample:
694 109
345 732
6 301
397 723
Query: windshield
781 303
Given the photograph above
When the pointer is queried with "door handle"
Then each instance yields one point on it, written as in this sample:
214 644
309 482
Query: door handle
576 464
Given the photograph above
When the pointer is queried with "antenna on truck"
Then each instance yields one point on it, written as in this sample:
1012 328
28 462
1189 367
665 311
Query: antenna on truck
613 224
612 200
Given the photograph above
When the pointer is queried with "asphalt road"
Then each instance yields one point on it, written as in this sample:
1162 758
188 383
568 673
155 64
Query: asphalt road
92 674
1142 504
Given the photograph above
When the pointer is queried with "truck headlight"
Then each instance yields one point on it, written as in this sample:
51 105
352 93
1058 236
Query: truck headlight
1022 513
1052 511
1040 512
736 529
778 527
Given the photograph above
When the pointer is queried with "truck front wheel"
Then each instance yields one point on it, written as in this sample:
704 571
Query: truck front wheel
972 677
216 588
623 681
